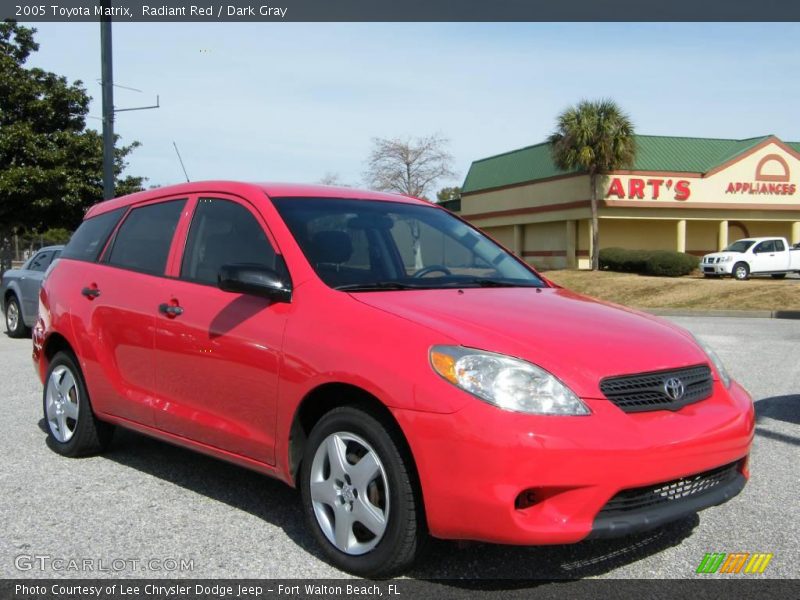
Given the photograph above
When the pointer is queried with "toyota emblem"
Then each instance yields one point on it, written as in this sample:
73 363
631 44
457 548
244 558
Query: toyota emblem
674 388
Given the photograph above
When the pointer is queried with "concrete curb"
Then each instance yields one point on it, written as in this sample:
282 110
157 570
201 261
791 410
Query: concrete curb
747 314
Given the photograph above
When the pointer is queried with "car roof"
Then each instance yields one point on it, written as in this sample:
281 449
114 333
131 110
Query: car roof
56 247
273 190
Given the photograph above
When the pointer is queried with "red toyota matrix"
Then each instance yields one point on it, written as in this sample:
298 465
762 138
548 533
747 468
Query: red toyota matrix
408 374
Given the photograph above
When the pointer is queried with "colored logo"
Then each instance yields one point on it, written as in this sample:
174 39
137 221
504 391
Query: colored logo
674 388
649 188
738 562
772 169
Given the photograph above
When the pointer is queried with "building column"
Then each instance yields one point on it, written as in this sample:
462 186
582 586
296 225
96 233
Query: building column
572 244
722 238
519 239
680 245
796 232
589 242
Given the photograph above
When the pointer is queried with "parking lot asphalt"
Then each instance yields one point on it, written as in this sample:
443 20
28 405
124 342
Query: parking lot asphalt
150 502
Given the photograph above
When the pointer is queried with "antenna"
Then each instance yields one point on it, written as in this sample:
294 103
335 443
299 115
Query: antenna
185 174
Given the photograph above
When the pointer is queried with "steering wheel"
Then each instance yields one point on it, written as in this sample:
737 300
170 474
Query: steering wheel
432 269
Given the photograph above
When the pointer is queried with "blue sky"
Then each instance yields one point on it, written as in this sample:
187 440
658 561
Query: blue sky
292 102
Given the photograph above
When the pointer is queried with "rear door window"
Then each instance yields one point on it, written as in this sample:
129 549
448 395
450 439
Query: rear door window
90 238
779 247
41 261
143 240
768 246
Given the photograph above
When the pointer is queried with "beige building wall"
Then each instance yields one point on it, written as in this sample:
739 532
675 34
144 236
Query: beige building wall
765 228
556 191
637 233
503 235
546 245
702 237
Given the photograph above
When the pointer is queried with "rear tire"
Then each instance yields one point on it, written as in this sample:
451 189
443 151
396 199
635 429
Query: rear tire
741 271
14 324
778 275
72 428
386 499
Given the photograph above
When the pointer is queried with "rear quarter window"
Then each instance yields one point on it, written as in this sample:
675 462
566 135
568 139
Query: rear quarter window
89 239
143 240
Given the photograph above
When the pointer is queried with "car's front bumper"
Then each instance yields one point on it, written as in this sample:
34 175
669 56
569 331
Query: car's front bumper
725 268
475 464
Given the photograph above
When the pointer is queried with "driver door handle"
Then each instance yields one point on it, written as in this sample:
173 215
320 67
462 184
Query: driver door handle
91 292
171 310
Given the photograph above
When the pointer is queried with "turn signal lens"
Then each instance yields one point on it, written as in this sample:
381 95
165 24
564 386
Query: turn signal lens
444 365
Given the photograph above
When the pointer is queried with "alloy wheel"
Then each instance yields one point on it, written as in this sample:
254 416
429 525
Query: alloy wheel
12 316
62 402
349 493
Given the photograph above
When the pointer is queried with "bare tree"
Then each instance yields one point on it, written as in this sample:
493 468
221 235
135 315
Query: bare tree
331 178
409 166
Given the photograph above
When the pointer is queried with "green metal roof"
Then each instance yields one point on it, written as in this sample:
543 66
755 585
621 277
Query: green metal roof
653 153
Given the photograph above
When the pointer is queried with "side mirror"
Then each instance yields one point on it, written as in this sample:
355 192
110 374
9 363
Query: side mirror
256 280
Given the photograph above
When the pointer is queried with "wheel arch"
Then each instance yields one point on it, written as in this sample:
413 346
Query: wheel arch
12 290
326 397
746 264
54 343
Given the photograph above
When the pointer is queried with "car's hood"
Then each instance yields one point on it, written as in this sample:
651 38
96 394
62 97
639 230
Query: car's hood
578 339
721 254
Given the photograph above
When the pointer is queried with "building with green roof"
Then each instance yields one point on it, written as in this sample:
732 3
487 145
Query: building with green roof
687 194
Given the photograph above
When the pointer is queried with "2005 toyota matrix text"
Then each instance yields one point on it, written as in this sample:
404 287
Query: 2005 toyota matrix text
411 376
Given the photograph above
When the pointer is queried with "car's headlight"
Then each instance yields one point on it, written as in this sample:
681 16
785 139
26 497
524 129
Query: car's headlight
506 382
727 258
712 356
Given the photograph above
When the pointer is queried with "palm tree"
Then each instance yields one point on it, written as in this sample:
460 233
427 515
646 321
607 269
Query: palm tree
595 137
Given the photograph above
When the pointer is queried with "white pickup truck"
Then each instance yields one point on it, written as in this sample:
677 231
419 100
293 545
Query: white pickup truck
753 256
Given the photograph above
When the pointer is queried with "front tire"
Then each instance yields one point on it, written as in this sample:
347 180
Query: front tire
359 494
14 324
741 271
72 428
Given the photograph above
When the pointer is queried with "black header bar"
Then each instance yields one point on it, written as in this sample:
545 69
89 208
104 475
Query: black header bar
404 10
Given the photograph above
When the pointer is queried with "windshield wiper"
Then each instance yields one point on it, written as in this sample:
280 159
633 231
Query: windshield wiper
376 286
483 282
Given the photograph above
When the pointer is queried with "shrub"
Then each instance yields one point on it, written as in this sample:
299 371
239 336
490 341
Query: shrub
661 263
623 260
611 259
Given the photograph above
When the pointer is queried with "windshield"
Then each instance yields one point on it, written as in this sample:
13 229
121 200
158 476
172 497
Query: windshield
740 246
362 245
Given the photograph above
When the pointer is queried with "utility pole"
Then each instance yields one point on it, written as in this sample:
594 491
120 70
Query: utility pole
107 75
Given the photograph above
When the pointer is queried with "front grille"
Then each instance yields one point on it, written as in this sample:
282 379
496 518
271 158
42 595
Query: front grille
673 491
648 391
